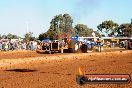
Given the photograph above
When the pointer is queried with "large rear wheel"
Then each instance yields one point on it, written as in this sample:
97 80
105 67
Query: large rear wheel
129 46
84 48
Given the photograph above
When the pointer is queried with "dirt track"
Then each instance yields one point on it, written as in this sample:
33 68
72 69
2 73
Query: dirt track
27 69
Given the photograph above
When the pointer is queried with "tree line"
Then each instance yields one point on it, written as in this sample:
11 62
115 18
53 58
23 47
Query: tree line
114 29
9 36
27 37
62 25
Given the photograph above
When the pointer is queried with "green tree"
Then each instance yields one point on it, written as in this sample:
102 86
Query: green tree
67 20
60 24
125 30
43 36
12 36
9 36
83 30
28 37
108 27
4 36
15 37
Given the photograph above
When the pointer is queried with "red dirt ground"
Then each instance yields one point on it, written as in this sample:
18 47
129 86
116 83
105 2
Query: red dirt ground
28 69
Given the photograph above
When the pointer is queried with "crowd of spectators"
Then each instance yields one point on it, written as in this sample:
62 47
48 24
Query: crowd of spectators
8 45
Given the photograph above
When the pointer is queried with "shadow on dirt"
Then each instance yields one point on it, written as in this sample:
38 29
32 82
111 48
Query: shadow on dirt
130 62
113 61
21 70
92 60
56 73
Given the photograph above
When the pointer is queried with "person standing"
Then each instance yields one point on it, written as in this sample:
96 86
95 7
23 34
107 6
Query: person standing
31 45
62 46
3 45
0 46
99 44
6 46
126 44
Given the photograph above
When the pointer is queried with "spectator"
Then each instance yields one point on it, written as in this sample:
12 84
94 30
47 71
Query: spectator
31 45
6 48
0 46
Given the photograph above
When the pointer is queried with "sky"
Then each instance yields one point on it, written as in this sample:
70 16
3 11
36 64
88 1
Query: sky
15 15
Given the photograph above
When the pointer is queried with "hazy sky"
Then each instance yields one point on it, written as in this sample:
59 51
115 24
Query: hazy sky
14 14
